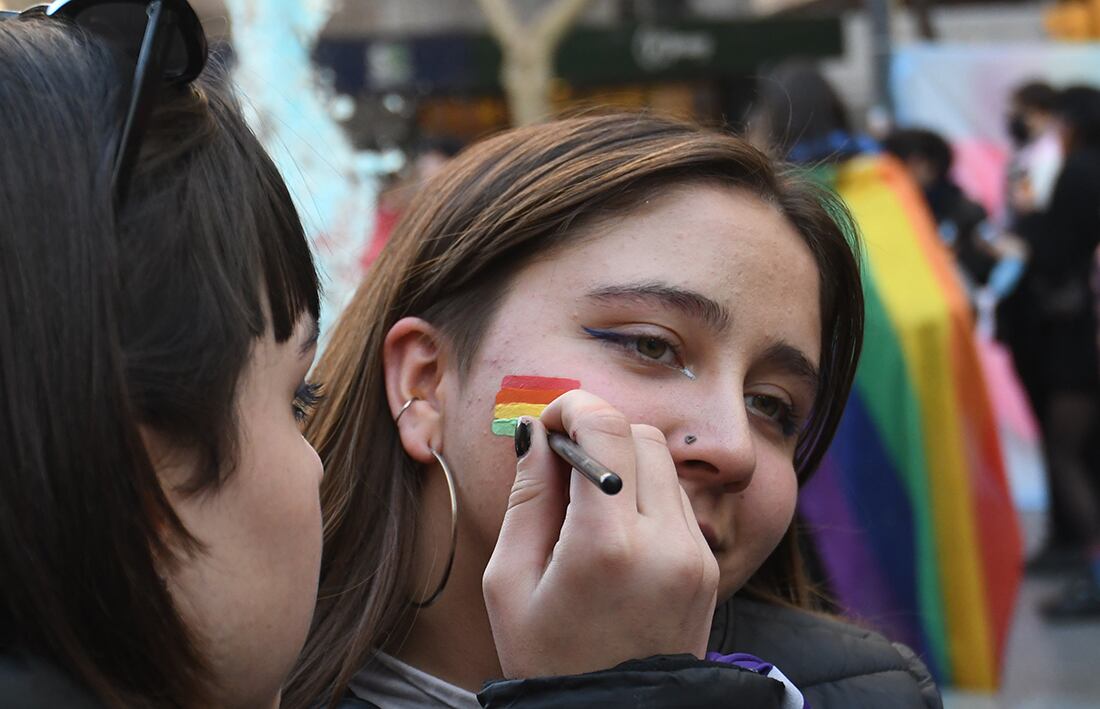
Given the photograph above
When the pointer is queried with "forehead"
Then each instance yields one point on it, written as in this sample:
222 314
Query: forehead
727 244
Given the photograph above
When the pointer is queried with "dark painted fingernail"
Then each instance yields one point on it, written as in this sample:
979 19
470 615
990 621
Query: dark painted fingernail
523 438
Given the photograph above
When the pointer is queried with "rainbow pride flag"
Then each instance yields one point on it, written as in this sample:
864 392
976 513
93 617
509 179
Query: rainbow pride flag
525 396
910 512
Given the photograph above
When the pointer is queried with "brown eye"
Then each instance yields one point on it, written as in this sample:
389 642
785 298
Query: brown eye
652 347
766 405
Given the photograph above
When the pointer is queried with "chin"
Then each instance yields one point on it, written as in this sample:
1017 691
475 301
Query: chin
732 578
727 588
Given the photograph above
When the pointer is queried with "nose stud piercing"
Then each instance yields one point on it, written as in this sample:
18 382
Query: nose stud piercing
689 439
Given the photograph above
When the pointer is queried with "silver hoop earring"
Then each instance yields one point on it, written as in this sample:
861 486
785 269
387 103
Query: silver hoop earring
404 408
454 527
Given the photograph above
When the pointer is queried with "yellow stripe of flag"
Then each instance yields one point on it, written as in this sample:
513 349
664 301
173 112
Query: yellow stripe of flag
511 411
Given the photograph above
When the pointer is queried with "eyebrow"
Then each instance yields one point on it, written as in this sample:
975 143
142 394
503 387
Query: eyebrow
689 302
791 359
313 335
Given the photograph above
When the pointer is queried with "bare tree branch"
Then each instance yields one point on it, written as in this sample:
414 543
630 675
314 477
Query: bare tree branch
527 68
502 19
556 21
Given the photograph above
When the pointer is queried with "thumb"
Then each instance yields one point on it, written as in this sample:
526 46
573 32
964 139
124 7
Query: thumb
536 512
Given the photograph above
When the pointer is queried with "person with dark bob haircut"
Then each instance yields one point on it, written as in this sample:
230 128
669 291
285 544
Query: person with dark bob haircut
687 312
160 527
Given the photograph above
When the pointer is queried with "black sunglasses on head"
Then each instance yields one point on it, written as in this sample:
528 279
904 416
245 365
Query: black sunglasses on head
163 38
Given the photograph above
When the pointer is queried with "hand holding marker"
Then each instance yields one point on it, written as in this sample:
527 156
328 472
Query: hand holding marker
528 396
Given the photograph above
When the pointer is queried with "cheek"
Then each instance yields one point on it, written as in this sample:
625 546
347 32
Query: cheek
764 513
483 464
768 507
250 594
283 515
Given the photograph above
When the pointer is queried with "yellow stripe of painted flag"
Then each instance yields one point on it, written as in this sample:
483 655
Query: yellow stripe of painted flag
511 411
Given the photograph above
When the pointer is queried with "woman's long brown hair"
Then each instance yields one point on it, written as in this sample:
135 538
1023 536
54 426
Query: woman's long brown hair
499 205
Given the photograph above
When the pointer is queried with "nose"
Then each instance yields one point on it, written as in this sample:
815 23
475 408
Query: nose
716 451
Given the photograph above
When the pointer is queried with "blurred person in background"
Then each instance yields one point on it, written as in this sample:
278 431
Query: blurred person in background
988 262
426 159
798 117
1062 238
1034 129
1038 152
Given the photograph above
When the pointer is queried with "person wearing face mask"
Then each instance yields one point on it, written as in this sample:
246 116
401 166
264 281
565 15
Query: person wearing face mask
1063 238
1033 128
1048 323
1033 171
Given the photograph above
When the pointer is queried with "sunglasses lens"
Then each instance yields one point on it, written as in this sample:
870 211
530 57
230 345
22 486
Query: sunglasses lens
124 23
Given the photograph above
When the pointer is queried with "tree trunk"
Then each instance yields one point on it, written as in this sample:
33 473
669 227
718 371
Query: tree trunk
527 54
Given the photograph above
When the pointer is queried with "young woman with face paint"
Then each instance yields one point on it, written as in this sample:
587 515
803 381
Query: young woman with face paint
700 316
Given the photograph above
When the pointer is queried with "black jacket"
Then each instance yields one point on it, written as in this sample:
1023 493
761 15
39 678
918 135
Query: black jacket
836 665
1049 321
679 681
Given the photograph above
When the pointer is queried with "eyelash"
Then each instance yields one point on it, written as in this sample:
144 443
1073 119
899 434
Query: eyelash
306 399
628 342
786 419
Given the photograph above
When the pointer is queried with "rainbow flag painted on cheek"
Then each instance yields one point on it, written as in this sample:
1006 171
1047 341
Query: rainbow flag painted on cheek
911 510
525 396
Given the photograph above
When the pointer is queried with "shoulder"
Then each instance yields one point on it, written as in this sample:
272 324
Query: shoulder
32 683
836 664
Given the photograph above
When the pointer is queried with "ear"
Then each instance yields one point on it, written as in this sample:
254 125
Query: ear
413 362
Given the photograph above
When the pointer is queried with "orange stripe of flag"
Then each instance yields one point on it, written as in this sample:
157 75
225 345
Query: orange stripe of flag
528 396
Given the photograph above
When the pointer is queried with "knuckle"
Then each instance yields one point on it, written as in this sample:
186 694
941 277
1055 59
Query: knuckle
490 580
649 434
574 397
689 571
604 420
711 573
613 554
687 576
493 584
525 489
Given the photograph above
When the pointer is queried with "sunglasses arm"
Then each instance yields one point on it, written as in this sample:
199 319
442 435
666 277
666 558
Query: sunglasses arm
147 80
